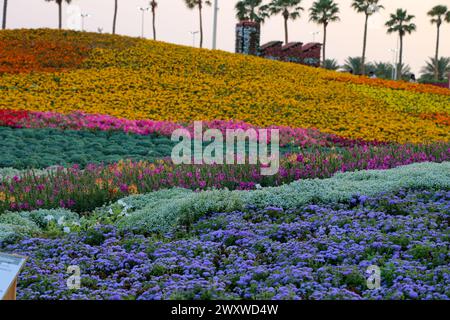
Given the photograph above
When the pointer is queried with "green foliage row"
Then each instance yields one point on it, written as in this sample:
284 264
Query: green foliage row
42 148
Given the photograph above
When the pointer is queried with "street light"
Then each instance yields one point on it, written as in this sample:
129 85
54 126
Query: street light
216 9
142 9
394 60
83 16
314 34
194 33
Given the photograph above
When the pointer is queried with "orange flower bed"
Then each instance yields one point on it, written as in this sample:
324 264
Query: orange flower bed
18 56
438 118
45 50
398 85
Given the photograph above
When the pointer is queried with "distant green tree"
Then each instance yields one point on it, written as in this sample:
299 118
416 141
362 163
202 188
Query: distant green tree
428 71
368 7
289 9
401 22
354 64
323 12
384 70
192 4
331 64
60 3
252 10
438 15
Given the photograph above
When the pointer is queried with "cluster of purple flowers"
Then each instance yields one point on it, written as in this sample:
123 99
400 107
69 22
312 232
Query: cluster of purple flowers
314 252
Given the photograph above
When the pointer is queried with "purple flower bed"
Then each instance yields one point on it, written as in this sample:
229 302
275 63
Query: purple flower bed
316 252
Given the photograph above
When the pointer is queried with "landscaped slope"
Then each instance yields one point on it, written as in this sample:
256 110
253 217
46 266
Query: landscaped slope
140 79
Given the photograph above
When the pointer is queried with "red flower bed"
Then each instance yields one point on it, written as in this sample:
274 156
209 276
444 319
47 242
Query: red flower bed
13 118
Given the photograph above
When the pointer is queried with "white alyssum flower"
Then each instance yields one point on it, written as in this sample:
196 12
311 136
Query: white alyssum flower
61 221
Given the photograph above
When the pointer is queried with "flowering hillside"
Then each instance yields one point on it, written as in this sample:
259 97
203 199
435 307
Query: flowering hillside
45 70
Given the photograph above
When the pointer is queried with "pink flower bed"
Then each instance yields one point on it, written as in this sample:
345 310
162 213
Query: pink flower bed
83 121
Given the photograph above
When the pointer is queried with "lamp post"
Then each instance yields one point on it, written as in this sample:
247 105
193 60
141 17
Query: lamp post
143 10
394 63
83 16
314 34
193 33
216 9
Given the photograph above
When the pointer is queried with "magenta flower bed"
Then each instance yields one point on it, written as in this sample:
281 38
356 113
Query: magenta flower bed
83 121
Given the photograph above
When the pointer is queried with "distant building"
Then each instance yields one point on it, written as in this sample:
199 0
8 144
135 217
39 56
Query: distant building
248 39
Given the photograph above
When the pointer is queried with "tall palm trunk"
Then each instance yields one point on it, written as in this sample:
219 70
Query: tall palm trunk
60 14
400 59
286 31
324 49
116 7
363 58
201 23
436 57
5 8
154 25
286 35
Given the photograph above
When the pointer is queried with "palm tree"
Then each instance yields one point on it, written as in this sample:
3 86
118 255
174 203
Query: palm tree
5 9
438 15
429 70
354 65
191 4
116 7
290 10
323 12
400 22
59 3
384 70
252 10
153 6
331 64
368 7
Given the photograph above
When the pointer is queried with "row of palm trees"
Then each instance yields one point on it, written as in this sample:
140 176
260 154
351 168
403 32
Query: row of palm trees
387 70
322 12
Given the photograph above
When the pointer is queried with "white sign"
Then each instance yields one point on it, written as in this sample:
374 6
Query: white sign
10 266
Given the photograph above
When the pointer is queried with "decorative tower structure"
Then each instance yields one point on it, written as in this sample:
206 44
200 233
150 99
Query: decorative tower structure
248 37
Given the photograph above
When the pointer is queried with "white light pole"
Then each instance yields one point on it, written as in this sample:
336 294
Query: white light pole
216 9
394 62
142 9
194 33
314 34
83 16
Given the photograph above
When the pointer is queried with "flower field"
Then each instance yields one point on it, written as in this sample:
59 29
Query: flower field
86 176
151 80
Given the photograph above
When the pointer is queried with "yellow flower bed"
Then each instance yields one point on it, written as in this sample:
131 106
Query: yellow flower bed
153 80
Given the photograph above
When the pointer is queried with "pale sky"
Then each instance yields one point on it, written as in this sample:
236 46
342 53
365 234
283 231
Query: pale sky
174 21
